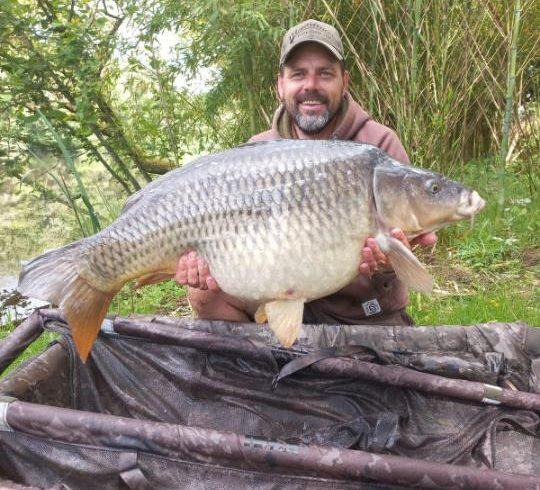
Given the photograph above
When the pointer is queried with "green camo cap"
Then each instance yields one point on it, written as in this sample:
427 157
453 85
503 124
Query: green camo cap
311 31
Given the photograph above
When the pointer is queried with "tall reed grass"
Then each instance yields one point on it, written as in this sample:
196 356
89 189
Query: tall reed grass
437 71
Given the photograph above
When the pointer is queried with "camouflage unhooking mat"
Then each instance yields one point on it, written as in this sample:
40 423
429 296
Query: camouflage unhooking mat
187 404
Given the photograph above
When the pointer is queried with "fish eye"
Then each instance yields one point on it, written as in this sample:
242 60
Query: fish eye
434 187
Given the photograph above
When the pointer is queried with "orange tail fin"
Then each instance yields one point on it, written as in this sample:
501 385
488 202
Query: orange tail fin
85 310
54 277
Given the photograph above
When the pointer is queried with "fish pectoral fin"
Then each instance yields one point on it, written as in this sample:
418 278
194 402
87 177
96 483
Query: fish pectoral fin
260 314
285 319
153 278
408 268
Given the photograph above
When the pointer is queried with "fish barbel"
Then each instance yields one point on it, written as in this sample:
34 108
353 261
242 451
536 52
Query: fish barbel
279 223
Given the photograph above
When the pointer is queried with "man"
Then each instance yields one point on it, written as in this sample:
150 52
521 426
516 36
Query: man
312 86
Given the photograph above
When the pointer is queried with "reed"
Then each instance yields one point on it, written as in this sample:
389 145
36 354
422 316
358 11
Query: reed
435 71
70 164
510 86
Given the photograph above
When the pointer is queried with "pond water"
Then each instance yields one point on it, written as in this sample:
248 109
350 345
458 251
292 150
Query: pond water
13 306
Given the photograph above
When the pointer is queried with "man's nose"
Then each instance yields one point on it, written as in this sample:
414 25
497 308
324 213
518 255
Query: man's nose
311 82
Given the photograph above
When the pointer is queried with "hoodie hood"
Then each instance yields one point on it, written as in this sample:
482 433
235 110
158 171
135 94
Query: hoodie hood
353 123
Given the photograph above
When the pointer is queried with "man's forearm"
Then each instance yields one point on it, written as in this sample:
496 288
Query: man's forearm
210 305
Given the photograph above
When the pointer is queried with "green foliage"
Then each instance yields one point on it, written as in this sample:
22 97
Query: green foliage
434 72
430 69
51 59
31 222
166 298
498 304
80 186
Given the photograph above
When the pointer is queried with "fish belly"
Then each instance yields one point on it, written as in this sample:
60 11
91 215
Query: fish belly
306 272
297 255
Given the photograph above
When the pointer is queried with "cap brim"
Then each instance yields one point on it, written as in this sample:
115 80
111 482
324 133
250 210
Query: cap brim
329 47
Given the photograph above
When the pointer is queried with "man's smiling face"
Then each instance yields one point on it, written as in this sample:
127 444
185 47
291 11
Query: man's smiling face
311 85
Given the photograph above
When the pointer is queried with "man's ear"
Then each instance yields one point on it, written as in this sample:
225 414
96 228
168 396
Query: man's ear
345 80
280 86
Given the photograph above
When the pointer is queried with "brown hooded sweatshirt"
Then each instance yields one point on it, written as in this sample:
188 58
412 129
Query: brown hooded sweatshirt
381 299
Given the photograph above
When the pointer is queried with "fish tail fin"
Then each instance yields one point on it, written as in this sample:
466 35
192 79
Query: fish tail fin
54 277
85 308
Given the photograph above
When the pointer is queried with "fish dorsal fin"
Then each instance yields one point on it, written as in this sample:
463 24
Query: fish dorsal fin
408 268
285 319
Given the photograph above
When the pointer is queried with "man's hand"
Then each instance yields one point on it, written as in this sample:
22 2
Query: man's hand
207 299
373 258
193 271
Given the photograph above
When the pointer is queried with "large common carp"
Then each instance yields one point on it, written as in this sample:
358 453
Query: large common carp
279 223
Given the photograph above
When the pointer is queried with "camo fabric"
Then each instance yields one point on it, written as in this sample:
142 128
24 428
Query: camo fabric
178 403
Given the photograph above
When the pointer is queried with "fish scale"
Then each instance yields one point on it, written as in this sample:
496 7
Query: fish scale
279 223
268 204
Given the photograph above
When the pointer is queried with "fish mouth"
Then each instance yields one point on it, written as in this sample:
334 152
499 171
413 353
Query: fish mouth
470 204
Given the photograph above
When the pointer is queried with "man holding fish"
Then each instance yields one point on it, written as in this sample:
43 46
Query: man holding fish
315 104
281 224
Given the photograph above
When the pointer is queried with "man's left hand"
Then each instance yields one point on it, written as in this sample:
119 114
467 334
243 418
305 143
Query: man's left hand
373 258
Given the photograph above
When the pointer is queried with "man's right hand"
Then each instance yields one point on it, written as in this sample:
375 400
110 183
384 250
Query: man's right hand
374 259
207 299
193 271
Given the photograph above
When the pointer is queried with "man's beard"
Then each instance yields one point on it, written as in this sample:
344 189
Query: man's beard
310 123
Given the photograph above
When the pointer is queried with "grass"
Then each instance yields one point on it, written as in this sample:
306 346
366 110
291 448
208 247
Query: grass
38 346
487 271
166 298
497 304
